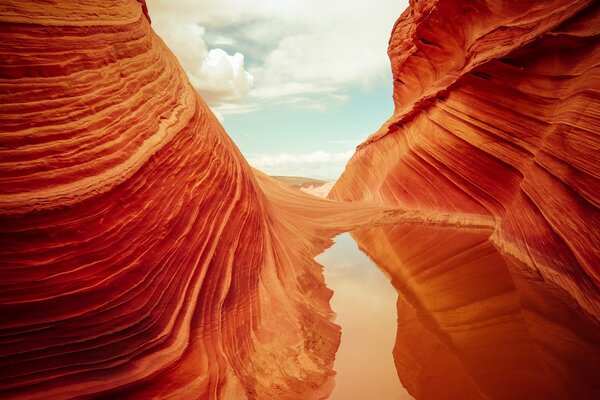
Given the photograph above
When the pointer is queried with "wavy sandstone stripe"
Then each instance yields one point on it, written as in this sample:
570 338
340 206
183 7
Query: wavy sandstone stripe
485 128
139 257
496 114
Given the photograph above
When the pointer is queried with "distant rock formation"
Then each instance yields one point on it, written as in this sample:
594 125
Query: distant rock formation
496 113
319 191
315 187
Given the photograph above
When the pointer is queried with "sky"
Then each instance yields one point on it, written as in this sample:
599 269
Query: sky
297 84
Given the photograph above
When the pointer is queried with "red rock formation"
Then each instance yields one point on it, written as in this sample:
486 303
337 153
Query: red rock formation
496 113
139 256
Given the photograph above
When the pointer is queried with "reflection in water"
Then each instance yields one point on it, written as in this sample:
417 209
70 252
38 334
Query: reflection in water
473 324
365 304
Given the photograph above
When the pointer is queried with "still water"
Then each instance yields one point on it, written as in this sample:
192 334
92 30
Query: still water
365 304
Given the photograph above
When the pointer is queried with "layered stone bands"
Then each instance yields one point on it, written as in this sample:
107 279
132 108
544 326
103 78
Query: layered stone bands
496 114
142 257
139 256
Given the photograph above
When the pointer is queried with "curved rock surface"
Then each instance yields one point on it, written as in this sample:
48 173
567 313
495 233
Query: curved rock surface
140 258
496 114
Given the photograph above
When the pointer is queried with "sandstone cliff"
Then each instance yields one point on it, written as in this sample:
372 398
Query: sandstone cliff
141 257
496 114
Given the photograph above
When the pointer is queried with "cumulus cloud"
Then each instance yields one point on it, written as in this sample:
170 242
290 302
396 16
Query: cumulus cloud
219 77
318 164
310 51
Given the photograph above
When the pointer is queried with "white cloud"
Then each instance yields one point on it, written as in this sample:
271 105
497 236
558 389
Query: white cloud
290 88
223 41
318 164
230 108
219 77
310 50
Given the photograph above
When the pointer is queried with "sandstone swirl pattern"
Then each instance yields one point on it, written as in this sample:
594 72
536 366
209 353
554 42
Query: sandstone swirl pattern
139 257
496 113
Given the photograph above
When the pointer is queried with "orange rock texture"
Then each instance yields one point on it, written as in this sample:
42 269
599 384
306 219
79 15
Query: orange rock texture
140 258
497 113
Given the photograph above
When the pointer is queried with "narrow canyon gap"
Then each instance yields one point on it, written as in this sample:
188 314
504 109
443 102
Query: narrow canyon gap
142 257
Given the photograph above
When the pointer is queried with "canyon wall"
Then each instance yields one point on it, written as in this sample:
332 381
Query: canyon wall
496 114
139 257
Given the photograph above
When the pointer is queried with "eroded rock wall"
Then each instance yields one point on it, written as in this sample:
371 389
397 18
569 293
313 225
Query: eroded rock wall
496 114
140 258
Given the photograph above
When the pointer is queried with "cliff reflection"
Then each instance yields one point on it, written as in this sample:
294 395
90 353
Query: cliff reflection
473 324
364 301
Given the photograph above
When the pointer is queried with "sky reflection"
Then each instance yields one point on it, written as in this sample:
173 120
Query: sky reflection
365 304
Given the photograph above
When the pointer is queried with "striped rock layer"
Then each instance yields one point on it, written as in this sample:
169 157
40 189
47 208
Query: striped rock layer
497 113
139 256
